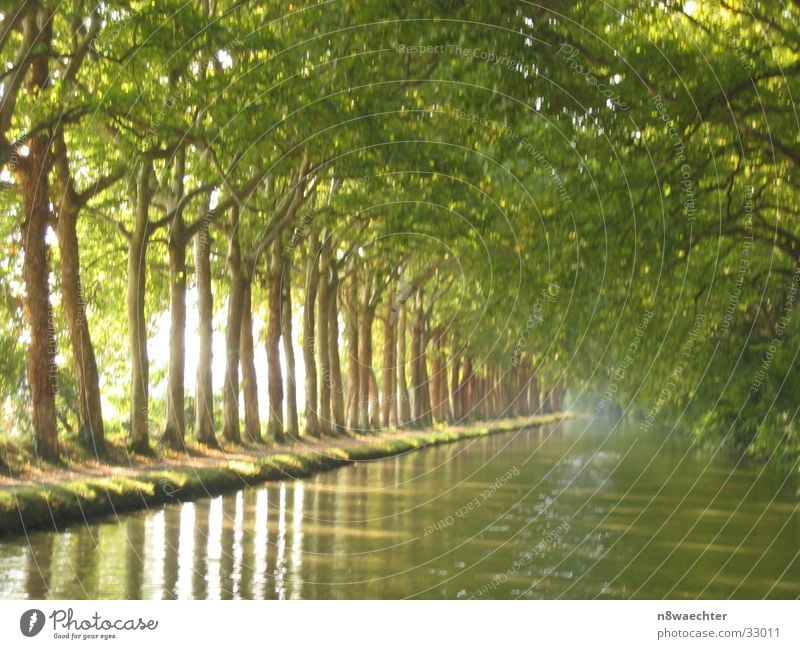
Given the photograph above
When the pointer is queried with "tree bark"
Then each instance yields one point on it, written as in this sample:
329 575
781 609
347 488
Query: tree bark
496 392
468 390
292 425
455 384
309 321
32 175
374 400
436 365
558 395
547 406
404 403
533 393
427 414
480 402
487 391
274 374
439 376
91 432
204 391
417 399
389 371
526 378
252 417
520 390
353 370
513 391
233 334
365 358
323 340
337 387
137 327
175 429
508 393
42 369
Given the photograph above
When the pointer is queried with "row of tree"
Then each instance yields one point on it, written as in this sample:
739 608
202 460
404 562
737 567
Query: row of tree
391 194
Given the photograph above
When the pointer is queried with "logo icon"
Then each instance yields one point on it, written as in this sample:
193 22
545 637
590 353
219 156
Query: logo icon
31 622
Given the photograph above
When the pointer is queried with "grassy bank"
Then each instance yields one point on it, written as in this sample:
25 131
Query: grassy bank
58 497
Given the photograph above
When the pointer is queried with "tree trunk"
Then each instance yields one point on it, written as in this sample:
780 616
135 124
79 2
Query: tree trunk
42 369
374 400
175 429
323 340
513 391
533 392
525 386
204 391
292 425
337 387
32 175
91 416
233 335
252 417
480 405
508 394
353 370
521 392
558 396
309 356
546 402
502 393
365 358
468 390
455 383
274 374
389 372
439 376
435 371
495 388
417 400
404 403
137 328
488 393
427 413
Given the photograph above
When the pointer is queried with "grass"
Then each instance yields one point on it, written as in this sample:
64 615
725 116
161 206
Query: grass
56 498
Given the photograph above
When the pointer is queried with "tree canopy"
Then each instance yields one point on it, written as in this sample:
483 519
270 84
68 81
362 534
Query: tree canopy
242 222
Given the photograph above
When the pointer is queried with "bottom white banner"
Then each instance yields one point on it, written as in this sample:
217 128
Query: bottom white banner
389 624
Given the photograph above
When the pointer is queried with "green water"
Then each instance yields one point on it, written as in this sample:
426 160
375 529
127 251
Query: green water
579 510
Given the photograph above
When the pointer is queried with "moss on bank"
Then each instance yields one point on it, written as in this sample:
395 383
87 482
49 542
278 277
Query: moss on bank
53 505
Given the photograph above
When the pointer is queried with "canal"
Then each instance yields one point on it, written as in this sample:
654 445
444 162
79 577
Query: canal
581 509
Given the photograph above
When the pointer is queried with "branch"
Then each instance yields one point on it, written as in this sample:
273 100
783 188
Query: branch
30 37
11 22
80 54
100 186
425 275
791 154
152 226
70 116
277 223
117 224
287 211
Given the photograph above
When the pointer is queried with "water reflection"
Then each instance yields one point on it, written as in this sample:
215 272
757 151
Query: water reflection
185 550
280 561
296 564
261 544
585 513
